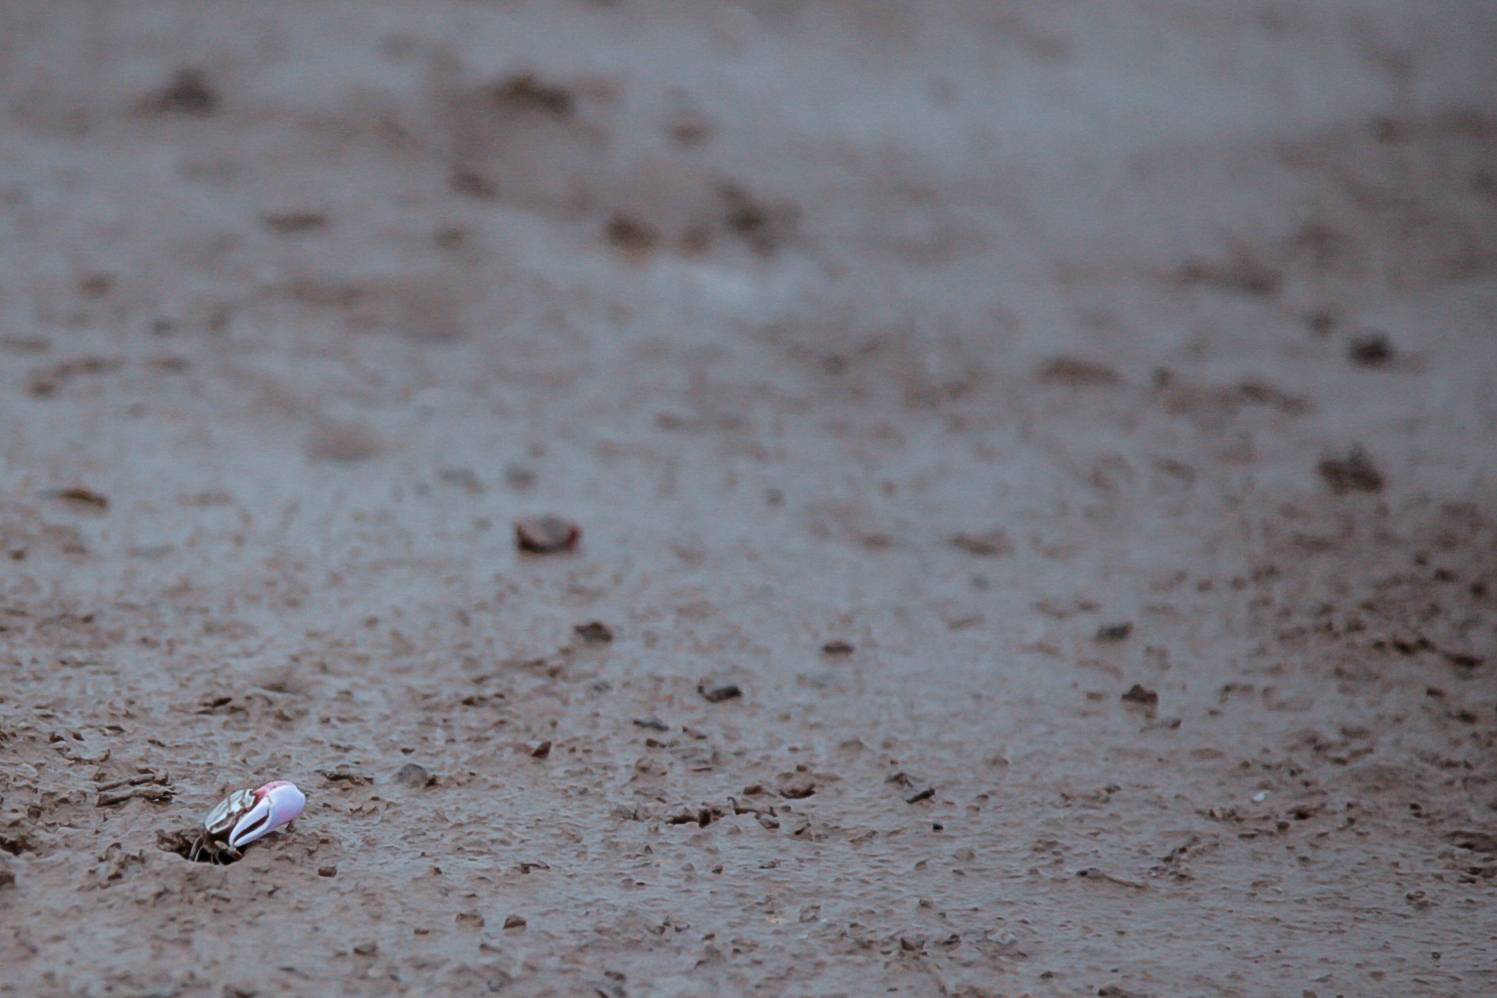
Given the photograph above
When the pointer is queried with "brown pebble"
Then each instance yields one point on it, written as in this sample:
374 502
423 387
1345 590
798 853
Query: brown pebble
1353 473
631 234
718 692
327 871
546 534
541 751
413 775
189 93
1114 632
85 497
920 795
515 922
1372 350
594 632
837 647
801 786
1137 694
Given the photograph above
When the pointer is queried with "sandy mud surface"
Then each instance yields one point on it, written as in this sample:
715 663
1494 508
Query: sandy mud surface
1034 465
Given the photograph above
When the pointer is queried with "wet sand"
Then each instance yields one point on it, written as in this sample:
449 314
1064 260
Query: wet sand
1067 428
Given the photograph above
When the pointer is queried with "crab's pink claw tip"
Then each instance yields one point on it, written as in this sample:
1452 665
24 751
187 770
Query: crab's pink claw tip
275 804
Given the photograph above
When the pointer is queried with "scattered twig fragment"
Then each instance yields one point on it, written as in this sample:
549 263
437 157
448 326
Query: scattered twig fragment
993 543
1092 873
154 794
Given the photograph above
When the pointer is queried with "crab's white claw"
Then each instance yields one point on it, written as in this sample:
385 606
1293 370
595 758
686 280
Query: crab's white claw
275 804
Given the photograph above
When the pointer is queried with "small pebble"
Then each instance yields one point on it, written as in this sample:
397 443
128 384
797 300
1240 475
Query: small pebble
327 871
1372 350
413 775
1354 472
594 632
515 922
718 692
85 498
1138 694
801 786
546 534
837 647
1114 632
541 751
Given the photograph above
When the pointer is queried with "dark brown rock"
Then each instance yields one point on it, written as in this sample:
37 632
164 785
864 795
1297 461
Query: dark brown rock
594 632
1353 473
718 692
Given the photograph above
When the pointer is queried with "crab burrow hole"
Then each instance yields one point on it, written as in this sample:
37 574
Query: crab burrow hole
189 845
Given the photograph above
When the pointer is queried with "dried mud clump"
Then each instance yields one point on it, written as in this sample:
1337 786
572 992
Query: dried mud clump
631 234
48 382
1077 372
764 227
594 632
294 223
1241 276
993 543
342 442
189 93
1372 350
527 93
1353 473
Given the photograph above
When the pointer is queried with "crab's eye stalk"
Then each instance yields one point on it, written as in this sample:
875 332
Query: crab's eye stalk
275 805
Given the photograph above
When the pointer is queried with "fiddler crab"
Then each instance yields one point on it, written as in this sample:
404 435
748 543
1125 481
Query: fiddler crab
243 817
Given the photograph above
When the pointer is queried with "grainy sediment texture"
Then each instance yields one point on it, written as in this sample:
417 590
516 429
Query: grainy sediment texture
1110 388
